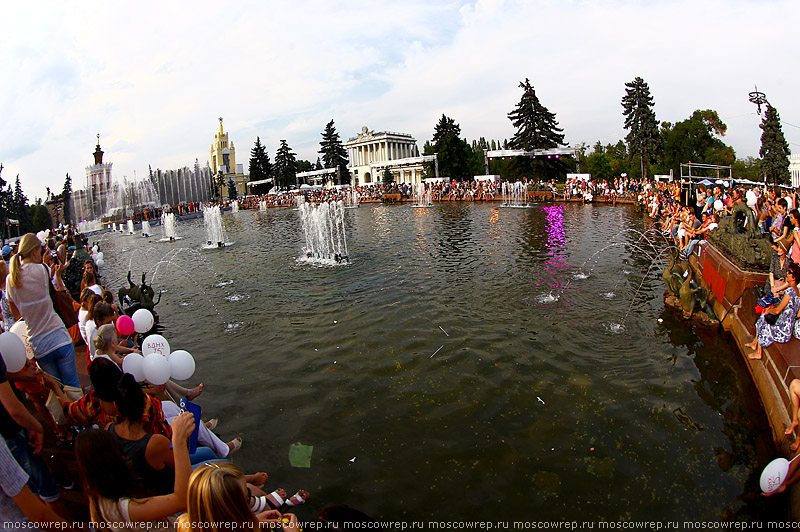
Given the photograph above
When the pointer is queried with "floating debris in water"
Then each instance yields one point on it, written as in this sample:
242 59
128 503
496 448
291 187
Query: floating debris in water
445 332
225 283
440 348
616 328
237 297
581 275
335 322
609 295
185 304
660 320
540 400
353 459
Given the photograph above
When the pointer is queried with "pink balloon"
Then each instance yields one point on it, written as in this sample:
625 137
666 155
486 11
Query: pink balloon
125 325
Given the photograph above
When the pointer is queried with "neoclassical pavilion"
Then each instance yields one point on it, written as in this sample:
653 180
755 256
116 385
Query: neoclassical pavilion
370 153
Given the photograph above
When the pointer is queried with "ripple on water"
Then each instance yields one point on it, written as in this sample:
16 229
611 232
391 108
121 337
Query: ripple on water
580 275
232 326
549 297
237 297
616 328
225 283
609 295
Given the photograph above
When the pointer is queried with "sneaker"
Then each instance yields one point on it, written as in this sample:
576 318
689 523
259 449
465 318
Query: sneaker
63 482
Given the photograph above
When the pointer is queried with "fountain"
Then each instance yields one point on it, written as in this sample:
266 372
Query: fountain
422 196
215 235
168 226
323 226
515 195
350 198
299 200
130 227
262 205
146 231
235 206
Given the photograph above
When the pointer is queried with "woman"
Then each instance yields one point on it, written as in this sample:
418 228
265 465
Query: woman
778 267
794 253
150 454
116 495
782 330
28 289
89 281
218 493
8 317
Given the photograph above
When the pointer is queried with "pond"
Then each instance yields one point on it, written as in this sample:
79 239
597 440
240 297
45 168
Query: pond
471 363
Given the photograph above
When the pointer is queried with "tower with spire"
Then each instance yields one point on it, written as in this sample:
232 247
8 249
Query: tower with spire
223 159
98 183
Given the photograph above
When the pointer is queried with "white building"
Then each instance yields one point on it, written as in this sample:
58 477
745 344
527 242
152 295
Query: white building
370 153
794 169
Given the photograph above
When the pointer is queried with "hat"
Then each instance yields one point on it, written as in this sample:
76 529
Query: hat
6 251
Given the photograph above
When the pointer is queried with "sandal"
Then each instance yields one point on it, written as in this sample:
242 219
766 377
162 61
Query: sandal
212 423
297 499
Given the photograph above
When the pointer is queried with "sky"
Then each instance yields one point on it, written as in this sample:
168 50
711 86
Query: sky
152 78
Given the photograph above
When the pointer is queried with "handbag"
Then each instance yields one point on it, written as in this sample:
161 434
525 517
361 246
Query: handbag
62 304
54 405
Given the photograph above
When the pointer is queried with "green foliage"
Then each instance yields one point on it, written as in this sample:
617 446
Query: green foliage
66 196
334 154
40 217
305 166
643 138
774 148
454 153
694 140
260 166
20 209
219 182
537 128
285 168
749 168
388 176
232 192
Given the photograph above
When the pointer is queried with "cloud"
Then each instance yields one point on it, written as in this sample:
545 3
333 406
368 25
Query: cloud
152 78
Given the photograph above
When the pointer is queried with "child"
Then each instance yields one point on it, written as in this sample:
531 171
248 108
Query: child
105 344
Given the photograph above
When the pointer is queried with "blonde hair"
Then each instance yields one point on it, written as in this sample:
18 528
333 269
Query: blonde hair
216 495
27 245
105 335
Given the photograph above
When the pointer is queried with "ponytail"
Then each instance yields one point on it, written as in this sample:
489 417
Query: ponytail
27 245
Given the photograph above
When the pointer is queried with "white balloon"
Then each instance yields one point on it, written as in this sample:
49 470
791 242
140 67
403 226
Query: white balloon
156 369
99 262
718 205
21 329
100 255
181 365
13 351
95 249
155 343
143 320
774 475
133 364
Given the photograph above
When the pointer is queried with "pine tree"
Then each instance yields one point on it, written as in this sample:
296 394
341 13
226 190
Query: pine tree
66 196
643 136
318 166
388 176
260 166
334 155
4 206
21 209
285 165
537 128
774 148
454 152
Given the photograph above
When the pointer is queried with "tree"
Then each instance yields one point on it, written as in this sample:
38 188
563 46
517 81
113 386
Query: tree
643 136
318 166
40 217
219 182
285 167
21 210
66 197
774 148
454 153
388 176
537 128
260 167
232 192
333 153
694 140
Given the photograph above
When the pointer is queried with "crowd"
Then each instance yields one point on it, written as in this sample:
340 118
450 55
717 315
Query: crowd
129 438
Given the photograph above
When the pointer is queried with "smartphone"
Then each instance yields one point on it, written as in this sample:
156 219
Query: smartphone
188 406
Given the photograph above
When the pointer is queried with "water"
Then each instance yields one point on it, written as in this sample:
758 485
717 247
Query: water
168 225
324 232
422 196
426 359
146 230
515 195
130 227
215 233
